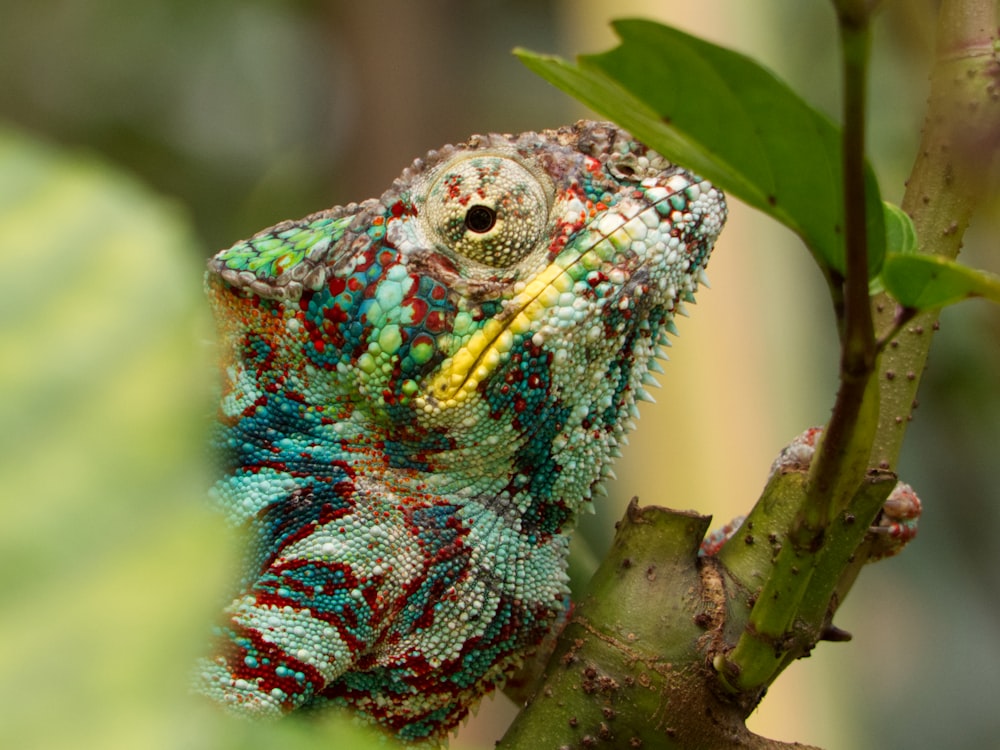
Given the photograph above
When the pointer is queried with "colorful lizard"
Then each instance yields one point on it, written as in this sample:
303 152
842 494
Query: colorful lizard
420 394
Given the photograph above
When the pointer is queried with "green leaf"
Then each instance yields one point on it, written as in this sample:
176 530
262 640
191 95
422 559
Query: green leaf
900 237
111 564
734 122
900 234
929 281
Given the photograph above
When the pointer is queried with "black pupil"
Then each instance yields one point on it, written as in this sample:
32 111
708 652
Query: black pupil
480 219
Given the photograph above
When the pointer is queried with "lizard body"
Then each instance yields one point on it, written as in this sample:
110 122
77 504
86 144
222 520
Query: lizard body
420 393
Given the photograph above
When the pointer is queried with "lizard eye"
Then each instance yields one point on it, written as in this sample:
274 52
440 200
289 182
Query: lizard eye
480 219
489 208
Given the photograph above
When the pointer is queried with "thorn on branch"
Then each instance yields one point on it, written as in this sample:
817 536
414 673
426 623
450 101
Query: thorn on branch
834 634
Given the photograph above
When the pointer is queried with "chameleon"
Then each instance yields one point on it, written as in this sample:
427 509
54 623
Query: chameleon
420 395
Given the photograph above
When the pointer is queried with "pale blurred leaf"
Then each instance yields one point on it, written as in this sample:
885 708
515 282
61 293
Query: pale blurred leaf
111 566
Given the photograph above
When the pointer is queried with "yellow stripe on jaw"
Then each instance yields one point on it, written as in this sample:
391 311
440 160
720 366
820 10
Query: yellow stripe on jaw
463 371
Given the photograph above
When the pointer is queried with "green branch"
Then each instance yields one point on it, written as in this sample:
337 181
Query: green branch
870 414
841 458
960 144
629 669
771 592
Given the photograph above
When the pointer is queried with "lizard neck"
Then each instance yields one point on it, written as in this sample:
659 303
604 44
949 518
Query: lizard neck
278 448
530 442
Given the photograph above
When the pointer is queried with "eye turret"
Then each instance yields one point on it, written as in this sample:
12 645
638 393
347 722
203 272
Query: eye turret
488 208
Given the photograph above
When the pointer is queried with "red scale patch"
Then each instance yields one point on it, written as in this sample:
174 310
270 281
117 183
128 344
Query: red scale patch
417 310
336 285
435 322
268 657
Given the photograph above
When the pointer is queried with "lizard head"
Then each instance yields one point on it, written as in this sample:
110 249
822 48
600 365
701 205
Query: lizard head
500 303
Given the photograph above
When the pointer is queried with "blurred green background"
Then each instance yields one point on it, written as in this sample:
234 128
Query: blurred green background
138 138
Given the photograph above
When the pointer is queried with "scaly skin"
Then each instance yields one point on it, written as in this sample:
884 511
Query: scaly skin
420 393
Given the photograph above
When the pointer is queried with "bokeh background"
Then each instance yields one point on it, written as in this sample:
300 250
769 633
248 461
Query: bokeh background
138 138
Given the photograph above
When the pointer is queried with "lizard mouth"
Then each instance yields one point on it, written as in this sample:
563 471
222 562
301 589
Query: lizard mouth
611 248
